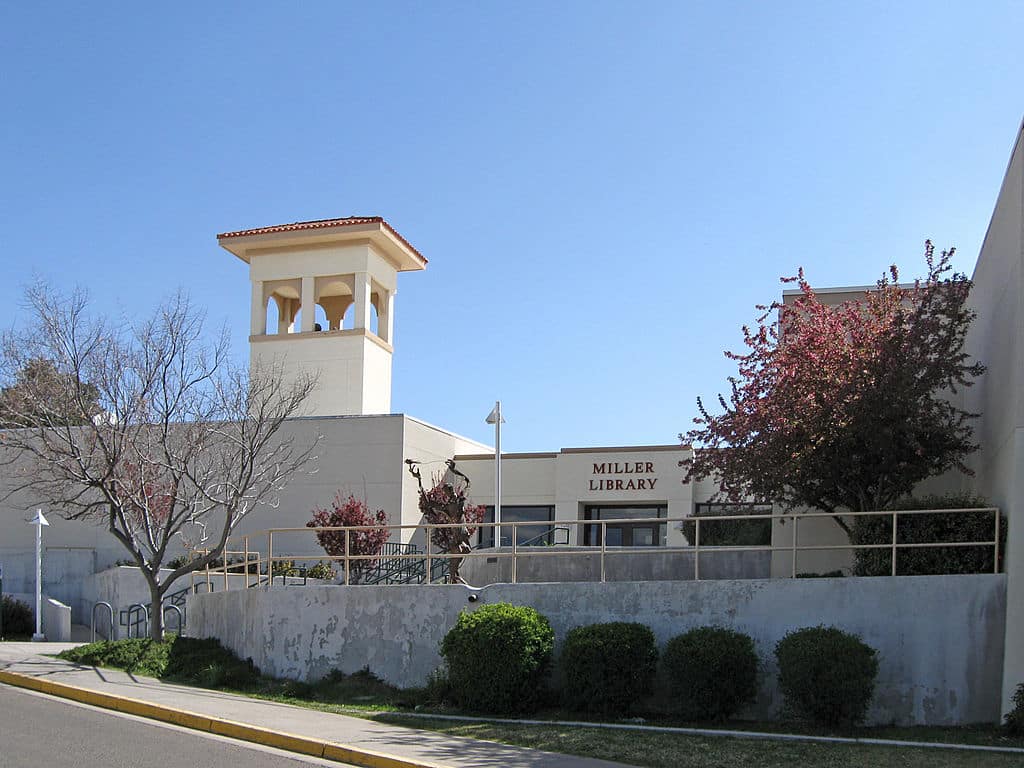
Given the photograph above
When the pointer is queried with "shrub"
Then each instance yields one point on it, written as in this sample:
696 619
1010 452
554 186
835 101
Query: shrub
322 571
284 568
827 674
730 533
18 617
826 575
498 657
1015 717
438 689
921 529
608 668
711 672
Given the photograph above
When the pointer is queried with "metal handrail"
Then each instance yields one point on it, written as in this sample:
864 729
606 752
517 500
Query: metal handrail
110 610
549 532
430 557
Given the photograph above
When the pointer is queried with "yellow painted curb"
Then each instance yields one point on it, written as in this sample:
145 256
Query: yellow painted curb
252 733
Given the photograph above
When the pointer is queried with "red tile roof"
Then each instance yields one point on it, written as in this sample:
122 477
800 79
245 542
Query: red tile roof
323 224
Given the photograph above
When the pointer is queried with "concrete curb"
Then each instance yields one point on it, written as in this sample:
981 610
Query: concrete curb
328 750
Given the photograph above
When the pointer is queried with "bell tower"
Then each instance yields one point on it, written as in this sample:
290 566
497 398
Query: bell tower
323 299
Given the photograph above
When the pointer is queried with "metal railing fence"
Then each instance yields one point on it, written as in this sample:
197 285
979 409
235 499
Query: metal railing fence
254 563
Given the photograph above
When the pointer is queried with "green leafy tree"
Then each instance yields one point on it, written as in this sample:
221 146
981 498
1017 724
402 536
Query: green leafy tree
845 407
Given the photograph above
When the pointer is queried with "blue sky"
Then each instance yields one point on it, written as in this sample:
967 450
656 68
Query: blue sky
604 190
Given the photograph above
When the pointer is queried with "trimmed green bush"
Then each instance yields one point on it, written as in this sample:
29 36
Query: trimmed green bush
608 668
922 529
19 620
711 672
1015 717
827 674
498 658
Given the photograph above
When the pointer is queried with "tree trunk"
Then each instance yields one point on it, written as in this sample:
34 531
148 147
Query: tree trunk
156 614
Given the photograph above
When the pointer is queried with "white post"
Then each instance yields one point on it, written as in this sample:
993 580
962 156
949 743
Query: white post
497 473
39 521
496 419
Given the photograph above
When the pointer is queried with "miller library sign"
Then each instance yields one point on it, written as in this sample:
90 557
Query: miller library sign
601 482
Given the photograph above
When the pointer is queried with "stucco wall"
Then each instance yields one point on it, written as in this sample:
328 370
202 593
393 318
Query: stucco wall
538 564
940 638
65 572
995 340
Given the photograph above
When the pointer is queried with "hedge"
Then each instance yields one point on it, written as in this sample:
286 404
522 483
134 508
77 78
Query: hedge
921 529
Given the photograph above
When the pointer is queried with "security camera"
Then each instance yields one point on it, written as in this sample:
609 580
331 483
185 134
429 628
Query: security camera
473 598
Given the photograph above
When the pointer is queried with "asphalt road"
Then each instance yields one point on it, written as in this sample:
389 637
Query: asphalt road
38 731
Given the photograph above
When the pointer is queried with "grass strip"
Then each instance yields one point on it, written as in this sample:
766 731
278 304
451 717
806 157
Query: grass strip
206 664
670 750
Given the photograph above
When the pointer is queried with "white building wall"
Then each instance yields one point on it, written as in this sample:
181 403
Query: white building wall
995 340
432 447
267 264
353 368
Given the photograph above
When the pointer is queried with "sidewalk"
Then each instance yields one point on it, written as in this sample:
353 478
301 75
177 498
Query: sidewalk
347 739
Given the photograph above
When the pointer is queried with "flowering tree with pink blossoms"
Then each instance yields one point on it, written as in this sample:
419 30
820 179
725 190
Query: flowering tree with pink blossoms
845 407
368 541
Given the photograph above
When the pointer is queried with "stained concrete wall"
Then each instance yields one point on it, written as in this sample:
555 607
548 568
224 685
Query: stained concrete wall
940 638
540 564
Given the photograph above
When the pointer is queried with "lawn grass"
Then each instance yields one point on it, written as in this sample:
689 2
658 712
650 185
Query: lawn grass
205 663
669 750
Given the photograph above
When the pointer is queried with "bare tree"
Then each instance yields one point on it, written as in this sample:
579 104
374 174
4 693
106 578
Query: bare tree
176 449
444 503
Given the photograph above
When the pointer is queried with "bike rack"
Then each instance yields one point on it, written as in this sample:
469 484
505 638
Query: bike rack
145 612
110 613
181 617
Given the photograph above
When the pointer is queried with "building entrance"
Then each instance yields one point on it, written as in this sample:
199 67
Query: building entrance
625 534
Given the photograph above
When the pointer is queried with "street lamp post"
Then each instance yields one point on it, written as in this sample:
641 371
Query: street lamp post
39 521
497 420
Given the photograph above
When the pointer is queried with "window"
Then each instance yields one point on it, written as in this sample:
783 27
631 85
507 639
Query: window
626 534
526 535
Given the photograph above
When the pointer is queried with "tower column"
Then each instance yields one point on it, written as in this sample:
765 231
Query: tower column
386 316
284 316
308 304
258 314
362 313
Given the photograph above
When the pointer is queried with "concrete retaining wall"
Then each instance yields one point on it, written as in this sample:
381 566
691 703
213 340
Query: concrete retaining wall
65 571
940 638
56 623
